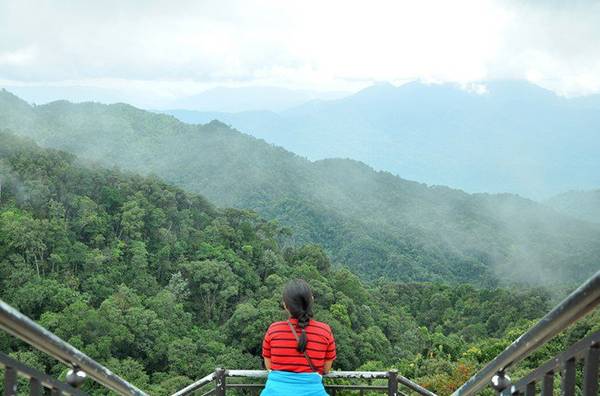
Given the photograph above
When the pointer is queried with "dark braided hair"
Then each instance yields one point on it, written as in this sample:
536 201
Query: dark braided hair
298 299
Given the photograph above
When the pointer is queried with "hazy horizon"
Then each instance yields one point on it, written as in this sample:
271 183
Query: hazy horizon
236 56
454 183
155 51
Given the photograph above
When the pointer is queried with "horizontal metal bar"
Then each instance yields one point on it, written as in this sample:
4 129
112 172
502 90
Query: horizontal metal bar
357 374
195 386
576 305
576 351
44 379
357 387
247 373
332 374
35 335
338 387
244 385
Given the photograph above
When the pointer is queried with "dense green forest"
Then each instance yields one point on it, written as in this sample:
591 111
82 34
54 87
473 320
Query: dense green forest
162 286
375 223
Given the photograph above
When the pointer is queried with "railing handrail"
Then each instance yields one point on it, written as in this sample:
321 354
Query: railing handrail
580 302
331 375
20 326
196 385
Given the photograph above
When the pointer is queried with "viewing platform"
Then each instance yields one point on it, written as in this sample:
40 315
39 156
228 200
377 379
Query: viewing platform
577 366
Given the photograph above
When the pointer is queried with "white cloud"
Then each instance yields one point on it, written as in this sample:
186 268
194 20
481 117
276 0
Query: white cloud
18 58
183 46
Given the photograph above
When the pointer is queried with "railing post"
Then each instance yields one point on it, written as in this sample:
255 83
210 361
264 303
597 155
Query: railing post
10 381
568 378
393 383
220 382
530 389
35 387
548 384
590 376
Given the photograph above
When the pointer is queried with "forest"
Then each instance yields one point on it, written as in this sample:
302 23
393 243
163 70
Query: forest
162 286
375 223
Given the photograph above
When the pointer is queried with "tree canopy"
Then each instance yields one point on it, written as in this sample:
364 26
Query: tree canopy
376 223
162 286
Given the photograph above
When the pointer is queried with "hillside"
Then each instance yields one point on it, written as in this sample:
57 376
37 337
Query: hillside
162 287
583 205
374 222
516 137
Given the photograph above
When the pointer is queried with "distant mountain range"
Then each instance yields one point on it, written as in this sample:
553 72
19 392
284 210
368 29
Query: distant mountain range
220 99
378 224
224 99
516 137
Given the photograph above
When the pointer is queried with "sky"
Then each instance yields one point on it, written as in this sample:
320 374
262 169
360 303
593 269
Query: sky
152 51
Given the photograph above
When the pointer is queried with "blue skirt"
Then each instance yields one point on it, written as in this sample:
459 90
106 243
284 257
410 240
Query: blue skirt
285 383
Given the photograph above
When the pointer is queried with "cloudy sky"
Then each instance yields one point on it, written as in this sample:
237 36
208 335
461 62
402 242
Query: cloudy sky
170 49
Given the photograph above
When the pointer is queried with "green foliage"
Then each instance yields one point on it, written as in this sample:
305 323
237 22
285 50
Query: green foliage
162 287
375 223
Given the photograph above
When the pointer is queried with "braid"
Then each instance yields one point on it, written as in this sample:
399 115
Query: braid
298 300
303 321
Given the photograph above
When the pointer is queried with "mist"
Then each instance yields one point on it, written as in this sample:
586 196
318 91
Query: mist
508 137
373 222
418 180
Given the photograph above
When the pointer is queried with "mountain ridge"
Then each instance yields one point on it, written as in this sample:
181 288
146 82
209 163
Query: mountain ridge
515 137
374 222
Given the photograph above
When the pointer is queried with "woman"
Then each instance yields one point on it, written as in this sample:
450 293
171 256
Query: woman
299 350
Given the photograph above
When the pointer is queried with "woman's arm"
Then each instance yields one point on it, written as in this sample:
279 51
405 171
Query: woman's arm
268 363
326 366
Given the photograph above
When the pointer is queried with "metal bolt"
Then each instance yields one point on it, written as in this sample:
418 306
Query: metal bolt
501 381
76 377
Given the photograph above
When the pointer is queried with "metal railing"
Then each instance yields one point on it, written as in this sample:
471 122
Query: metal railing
219 385
37 380
586 350
20 326
576 305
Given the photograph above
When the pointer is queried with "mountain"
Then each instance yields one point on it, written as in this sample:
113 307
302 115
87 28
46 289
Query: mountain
46 94
226 99
583 205
378 224
223 99
162 287
515 137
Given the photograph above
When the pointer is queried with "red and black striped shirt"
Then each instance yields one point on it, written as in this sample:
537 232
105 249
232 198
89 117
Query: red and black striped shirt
280 344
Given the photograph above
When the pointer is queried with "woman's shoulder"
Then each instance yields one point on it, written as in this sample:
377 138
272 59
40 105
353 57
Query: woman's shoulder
278 324
320 325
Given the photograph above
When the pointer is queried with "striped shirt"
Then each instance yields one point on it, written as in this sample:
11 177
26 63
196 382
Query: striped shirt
279 345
